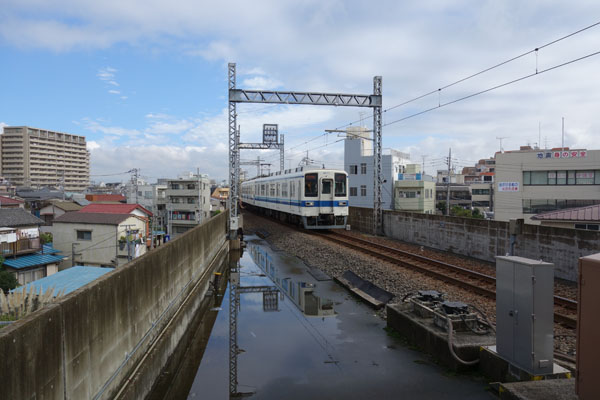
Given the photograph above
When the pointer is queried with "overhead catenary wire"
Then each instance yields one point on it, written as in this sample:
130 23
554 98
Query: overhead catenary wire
535 50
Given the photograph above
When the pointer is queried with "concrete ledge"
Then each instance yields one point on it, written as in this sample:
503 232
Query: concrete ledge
498 369
434 341
558 389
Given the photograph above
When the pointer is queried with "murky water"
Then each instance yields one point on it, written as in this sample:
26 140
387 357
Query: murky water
301 338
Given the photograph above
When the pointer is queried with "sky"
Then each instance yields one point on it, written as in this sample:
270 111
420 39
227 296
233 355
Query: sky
146 81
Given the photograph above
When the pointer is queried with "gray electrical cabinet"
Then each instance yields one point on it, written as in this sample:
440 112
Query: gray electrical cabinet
525 313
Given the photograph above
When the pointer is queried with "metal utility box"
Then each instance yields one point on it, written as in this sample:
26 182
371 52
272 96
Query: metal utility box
588 328
525 313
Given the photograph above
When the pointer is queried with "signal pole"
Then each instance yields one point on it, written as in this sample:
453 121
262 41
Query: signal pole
448 193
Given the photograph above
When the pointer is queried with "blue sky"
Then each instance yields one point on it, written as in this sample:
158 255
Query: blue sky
145 81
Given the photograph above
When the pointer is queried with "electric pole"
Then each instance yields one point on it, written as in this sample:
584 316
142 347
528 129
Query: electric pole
448 193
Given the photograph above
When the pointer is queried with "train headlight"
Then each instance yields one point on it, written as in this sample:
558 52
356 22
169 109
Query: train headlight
343 203
310 203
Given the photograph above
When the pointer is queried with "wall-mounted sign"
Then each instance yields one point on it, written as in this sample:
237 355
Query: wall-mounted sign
508 186
409 177
562 154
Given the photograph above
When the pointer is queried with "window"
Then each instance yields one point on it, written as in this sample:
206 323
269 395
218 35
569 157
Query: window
272 190
340 185
539 178
363 168
353 170
284 189
84 235
326 186
311 185
589 227
262 190
292 189
481 192
363 190
353 192
561 177
584 178
481 204
191 200
191 186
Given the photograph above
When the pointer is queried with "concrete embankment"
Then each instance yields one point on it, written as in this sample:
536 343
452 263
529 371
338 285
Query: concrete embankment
484 239
89 344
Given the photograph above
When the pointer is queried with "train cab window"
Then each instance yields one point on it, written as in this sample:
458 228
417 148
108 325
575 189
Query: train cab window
340 185
326 186
311 188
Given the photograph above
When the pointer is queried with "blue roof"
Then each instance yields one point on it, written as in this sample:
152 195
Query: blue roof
32 260
48 249
69 279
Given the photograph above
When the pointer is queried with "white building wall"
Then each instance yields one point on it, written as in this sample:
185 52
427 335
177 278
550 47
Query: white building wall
358 150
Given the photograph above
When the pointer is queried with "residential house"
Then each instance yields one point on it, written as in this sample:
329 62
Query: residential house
106 198
100 239
21 247
587 218
218 198
56 208
7 202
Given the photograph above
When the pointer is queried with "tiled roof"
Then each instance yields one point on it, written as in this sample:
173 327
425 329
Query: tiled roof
68 280
589 213
8 200
66 205
13 217
92 218
114 208
32 260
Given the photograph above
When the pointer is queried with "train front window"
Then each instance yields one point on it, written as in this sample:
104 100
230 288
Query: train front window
340 185
311 187
326 189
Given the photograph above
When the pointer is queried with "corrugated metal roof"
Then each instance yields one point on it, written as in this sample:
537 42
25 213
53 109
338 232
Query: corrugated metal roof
32 260
589 213
48 249
66 205
92 218
114 208
69 279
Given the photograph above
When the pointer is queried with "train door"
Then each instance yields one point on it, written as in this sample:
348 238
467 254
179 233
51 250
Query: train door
326 196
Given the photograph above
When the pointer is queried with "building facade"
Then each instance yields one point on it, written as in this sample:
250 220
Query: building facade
188 202
533 181
415 191
37 157
358 163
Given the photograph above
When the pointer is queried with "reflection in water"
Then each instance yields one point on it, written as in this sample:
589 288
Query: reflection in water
301 293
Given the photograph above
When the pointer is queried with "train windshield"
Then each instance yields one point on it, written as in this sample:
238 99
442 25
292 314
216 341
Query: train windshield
340 185
311 187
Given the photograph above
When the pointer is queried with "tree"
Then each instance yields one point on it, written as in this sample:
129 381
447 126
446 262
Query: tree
46 238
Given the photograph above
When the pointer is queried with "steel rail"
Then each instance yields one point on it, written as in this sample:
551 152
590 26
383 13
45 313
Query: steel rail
421 263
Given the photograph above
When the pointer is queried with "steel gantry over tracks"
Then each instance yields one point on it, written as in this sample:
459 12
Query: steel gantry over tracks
236 95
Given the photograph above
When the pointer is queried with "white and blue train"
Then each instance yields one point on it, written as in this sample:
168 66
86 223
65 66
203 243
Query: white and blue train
316 198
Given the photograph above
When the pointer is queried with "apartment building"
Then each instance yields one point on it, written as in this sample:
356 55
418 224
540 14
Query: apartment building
37 157
188 202
532 181
358 163
152 197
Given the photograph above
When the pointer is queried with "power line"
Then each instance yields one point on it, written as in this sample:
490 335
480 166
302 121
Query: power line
493 88
481 72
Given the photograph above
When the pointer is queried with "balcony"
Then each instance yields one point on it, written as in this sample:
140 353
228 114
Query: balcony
21 246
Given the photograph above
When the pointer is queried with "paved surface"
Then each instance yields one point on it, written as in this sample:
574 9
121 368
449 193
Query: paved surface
558 389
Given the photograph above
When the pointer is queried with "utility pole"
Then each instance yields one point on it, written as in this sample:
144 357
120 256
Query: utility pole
423 169
448 193
134 181
73 254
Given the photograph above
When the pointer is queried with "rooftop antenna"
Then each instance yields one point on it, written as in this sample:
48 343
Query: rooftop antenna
500 139
563 133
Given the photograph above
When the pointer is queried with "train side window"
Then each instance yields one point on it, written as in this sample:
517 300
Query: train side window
340 185
292 189
326 186
311 187
277 193
262 190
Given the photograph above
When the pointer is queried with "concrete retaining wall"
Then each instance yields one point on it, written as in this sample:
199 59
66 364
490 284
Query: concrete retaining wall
86 344
485 239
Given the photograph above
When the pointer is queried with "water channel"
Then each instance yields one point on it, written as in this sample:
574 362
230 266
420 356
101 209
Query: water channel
301 337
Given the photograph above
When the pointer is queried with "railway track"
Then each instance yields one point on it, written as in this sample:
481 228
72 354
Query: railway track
473 281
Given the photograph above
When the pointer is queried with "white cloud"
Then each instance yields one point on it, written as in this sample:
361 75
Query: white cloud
92 145
96 126
112 91
260 83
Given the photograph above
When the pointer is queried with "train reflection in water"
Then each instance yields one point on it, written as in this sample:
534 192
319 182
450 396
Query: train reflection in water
301 293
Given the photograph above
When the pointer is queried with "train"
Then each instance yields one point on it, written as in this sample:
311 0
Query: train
312 197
